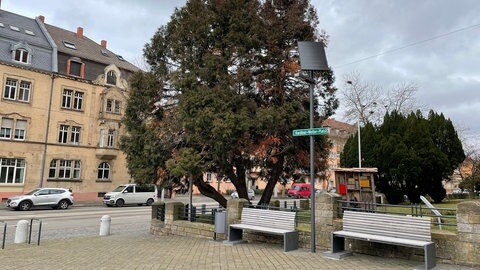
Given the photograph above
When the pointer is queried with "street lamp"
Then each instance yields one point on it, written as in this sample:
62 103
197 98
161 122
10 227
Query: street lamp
312 58
358 132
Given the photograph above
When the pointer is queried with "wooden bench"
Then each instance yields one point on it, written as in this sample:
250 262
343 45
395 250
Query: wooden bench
266 221
384 228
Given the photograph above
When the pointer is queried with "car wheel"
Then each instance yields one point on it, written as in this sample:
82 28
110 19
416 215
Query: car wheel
120 203
63 204
149 201
25 205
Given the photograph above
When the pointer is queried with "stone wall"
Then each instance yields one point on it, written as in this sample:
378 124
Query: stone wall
462 248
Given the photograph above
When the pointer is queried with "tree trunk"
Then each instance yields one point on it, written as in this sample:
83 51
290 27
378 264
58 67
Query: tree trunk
207 190
272 182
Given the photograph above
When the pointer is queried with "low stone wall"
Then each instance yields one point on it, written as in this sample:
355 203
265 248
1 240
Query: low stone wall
462 248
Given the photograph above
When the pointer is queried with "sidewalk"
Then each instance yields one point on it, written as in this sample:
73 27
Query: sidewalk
143 251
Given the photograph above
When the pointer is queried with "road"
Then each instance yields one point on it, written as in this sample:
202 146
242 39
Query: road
77 221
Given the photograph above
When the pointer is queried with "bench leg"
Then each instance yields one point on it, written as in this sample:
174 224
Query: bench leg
430 256
338 243
290 241
235 234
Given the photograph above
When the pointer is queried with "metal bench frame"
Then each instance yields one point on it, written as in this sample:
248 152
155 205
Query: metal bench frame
266 221
384 228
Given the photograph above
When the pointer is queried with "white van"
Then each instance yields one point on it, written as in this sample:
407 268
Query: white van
131 194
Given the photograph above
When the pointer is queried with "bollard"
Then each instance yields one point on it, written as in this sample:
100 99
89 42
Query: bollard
21 233
105 225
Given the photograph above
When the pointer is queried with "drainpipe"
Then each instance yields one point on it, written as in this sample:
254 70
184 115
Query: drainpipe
47 129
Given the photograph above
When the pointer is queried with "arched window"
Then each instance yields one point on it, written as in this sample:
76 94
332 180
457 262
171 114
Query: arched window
111 78
104 171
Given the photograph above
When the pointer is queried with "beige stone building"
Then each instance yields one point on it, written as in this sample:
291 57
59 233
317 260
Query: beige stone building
61 105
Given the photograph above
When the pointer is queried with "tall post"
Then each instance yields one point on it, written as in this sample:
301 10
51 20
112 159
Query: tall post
359 145
312 170
312 58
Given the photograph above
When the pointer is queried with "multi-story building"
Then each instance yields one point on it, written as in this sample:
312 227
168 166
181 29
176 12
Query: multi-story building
62 100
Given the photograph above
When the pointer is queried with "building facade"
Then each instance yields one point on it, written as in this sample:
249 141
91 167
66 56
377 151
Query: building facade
62 100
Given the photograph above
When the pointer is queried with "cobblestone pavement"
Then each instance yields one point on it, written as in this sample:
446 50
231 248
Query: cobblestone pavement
143 251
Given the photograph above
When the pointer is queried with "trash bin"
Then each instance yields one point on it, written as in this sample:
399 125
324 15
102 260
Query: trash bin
220 223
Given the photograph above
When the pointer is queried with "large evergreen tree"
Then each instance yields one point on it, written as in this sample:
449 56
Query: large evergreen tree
233 70
413 154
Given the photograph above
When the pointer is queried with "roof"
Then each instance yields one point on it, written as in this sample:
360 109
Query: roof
334 124
356 170
28 29
86 48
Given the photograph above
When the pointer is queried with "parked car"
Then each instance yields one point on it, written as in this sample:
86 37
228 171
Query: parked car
54 197
251 194
131 194
299 190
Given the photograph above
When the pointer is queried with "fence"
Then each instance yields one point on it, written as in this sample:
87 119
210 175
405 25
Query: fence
448 216
203 214
302 217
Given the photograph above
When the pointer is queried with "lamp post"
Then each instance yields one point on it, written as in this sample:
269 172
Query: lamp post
312 58
358 132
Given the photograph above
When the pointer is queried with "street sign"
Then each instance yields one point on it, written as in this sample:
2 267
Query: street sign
310 131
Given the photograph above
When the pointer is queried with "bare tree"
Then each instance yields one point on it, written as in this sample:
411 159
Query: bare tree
367 102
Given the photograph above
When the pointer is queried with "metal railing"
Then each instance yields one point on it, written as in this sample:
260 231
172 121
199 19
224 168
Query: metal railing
161 213
448 215
39 230
202 214
302 217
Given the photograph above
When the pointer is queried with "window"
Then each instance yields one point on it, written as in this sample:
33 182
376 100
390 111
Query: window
209 177
29 32
72 99
6 128
14 28
64 169
11 87
69 45
12 171
22 56
20 128
75 135
78 101
65 131
111 78
113 105
75 68
104 171
117 106
109 105
24 92
110 136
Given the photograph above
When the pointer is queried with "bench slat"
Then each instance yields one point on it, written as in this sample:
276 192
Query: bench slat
268 218
413 228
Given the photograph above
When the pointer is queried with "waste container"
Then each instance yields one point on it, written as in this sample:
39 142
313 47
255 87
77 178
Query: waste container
220 223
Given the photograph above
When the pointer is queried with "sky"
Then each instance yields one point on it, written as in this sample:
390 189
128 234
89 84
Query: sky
434 44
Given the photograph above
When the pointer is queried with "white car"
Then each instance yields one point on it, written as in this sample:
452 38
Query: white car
251 195
55 197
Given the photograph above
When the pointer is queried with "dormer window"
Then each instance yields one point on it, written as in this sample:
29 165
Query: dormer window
14 28
21 53
111 78
22 56
75 67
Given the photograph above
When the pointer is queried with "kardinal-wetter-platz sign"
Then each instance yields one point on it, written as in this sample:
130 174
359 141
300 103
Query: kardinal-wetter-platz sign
310 132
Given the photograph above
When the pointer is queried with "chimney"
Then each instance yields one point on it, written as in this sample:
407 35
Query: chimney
104 44
79 32
41 18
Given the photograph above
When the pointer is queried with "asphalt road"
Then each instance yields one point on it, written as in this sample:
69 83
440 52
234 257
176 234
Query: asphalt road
77 221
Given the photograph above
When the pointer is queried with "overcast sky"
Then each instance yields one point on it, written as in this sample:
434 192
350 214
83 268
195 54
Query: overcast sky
446 68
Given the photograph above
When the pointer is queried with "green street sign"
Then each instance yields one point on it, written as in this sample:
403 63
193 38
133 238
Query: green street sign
310 131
